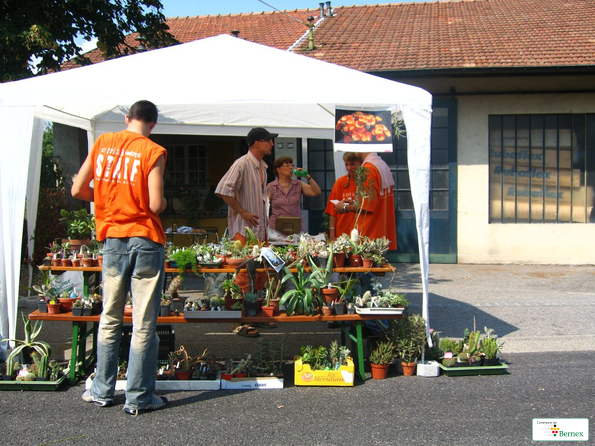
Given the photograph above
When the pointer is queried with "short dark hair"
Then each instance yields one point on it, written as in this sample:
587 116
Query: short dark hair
280 161
144 111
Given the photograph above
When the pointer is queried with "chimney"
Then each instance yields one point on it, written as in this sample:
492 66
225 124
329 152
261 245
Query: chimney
329 9
321 9
235 32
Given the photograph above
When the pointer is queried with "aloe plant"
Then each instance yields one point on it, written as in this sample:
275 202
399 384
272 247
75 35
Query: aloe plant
31 333
302 299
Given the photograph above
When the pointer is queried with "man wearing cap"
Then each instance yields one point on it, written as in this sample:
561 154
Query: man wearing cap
244 187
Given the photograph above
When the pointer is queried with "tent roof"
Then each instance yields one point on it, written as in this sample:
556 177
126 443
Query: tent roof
229 84
216 86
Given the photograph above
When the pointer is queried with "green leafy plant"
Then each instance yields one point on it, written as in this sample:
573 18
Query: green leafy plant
184 257
302 299
408 335
321 358
384 353
490 348
79 224
31 332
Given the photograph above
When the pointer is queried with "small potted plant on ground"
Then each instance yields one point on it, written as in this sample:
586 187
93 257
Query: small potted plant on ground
23 348
380 359
183 364
409 336
491 347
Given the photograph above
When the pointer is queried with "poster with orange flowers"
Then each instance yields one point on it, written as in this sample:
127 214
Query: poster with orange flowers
363 130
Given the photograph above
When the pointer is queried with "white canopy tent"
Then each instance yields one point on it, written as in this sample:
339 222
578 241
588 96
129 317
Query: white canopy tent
215 86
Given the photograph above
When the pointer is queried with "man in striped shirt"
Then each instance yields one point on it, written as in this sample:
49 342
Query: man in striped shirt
243 187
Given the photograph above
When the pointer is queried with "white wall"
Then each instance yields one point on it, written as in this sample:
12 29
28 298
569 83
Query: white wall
481 242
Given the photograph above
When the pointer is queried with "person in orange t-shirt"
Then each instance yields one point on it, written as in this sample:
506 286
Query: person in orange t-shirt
378 215
342 213
127 173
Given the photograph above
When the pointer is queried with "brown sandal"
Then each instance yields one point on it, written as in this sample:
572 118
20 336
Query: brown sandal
249 332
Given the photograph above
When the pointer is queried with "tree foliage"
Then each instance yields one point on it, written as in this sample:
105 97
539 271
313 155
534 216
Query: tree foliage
44 31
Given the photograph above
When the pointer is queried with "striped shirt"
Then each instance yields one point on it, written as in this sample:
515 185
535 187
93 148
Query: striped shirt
246 181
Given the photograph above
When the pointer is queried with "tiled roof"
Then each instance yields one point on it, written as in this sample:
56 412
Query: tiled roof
460 34
418 36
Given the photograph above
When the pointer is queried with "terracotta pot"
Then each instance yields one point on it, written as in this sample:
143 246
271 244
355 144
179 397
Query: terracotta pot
56 262
355 260
66 303
76 263
268 311
100 261
54 308
367 263
66 262
234 263
184 374
409 368
167 264
87 263
329 295
275 305
76 243
379 371
339 259
327 311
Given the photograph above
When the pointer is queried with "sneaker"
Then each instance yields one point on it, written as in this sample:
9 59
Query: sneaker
87 397
159 402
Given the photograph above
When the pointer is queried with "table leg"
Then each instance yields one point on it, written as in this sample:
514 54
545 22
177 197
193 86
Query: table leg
354 332
74 352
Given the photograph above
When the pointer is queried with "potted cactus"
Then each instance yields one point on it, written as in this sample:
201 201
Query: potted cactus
380 359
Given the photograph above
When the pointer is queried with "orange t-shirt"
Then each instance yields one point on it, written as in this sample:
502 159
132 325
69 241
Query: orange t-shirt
121 165
380 219
344 222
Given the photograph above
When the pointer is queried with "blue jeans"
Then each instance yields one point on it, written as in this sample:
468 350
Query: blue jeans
133 264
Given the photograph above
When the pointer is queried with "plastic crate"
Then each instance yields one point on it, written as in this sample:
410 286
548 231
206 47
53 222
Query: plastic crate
167 341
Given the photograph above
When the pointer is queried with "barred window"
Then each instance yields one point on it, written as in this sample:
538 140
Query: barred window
542 168
185 165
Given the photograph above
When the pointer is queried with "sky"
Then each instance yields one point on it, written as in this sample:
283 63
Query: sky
183 8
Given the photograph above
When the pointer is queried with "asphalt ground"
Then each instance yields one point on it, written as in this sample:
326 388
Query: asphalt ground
543 313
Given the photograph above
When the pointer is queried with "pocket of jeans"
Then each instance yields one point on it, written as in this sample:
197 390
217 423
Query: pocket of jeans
149 263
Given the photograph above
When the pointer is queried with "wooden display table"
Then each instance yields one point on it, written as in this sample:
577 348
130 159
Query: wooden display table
351 324
80 332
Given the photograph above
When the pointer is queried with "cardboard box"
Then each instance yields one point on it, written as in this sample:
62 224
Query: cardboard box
259 383
190 384
305 376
